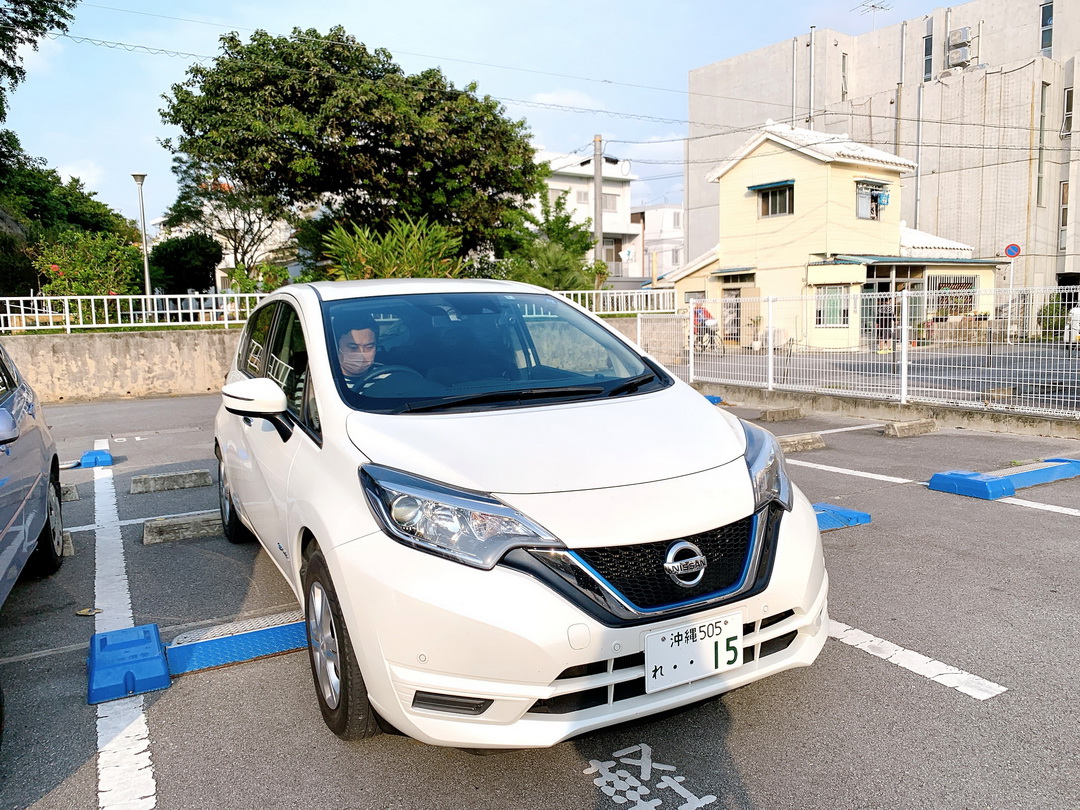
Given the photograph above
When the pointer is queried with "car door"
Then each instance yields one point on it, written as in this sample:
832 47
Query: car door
271 457
22 465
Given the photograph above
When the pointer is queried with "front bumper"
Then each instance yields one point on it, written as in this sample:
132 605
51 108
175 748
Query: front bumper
541 668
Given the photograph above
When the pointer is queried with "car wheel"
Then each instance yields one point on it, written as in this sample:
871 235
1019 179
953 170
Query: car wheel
339 685
231 526
49 554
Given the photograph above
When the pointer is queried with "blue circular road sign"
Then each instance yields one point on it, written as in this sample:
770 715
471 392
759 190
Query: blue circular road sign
1012 251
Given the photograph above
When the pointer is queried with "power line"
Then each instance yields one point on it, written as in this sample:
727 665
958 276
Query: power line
826 137
784 105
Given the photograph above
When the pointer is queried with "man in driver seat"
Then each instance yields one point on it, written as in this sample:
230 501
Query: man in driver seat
356 353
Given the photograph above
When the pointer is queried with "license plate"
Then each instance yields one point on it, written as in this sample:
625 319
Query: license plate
687 652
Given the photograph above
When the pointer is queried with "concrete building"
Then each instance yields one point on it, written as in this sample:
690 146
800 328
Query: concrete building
977 97
572 177
662 237
817 216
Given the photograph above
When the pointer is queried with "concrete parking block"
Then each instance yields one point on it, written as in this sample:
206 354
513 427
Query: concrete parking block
68 493
167 481
164 530
800 442
780 414
914 427
69 547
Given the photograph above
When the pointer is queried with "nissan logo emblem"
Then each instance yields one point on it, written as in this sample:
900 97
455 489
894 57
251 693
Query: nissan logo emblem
685 564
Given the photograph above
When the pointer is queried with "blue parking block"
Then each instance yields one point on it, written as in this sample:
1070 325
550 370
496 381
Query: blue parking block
972 484
714 400
219 652
96 458
831 517
125 662
991 486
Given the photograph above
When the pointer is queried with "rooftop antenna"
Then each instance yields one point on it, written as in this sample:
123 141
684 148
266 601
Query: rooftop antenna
872 7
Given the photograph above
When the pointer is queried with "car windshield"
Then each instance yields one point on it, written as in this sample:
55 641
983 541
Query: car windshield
476 351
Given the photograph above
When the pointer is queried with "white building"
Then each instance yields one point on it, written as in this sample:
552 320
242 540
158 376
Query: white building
979 96
662 237
572 176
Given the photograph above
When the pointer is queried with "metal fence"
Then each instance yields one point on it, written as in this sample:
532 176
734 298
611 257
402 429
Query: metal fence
66 313
995 350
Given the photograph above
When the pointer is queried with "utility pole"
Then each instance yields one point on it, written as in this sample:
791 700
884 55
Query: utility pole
598 197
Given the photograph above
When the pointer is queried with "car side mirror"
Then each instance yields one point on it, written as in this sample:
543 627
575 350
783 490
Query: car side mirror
9 428
259 398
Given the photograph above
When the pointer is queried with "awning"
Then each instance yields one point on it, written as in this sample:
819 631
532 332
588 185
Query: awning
777 184
728 271
920 260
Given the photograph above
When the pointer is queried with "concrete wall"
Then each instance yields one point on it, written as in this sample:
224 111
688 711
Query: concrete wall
67 368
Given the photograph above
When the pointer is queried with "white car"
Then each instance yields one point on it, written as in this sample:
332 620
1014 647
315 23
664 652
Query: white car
505 524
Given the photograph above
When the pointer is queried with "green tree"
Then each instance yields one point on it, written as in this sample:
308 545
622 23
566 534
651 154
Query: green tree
313 119
22 23
553 251
246 221
407 249
40 201
187 262
84 263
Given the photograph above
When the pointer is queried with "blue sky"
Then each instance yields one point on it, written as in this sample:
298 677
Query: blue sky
90 102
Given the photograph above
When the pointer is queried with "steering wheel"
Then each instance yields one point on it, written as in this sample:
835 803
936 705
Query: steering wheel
392 369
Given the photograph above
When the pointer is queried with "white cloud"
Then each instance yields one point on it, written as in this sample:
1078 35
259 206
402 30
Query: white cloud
41 61
86 170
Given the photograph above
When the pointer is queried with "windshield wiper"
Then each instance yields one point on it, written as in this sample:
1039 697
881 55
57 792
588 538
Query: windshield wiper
503 396
631 385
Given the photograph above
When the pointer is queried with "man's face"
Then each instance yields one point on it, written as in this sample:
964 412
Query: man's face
356 351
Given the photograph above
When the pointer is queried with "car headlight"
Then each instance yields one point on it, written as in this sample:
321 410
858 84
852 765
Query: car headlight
768 472
469 527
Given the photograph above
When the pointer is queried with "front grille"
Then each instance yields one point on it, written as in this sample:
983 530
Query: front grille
637 572
624 677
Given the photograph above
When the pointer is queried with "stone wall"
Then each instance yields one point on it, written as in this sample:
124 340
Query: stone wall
111 365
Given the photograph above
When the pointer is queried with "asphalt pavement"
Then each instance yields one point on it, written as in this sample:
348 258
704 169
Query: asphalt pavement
935 585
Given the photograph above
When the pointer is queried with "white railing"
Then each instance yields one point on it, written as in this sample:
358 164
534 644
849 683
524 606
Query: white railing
65 313
984 349
623 302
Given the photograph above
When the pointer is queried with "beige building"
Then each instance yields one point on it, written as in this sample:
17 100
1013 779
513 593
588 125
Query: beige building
977 97
816 216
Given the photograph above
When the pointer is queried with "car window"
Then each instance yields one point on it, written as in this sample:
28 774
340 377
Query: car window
287 361
253 344
494 350
7 377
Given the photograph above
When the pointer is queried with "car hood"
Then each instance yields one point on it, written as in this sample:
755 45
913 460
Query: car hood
556 448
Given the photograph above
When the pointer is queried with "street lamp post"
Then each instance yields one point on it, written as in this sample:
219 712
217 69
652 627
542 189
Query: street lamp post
142 222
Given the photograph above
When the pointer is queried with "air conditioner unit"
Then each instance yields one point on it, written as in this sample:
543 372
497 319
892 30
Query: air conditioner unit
959 57
959 36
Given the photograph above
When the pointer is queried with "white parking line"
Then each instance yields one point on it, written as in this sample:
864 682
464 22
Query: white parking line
936 671
125 772
89 527
856 473
840 430
1061 510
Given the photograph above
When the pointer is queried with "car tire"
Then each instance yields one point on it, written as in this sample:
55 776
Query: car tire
339 685
231 525
48 556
